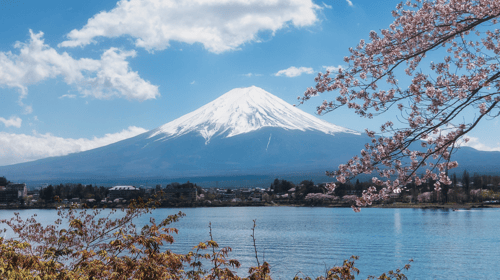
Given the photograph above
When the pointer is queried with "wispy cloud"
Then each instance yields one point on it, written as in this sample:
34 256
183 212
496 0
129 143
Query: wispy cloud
104 78
475 143
67 96
219 25
17 148
349 3
333 69
12 121
251 75
294 71
327 6
27 109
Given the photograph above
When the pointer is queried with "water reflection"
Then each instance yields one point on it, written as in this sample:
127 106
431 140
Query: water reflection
398 234
444 244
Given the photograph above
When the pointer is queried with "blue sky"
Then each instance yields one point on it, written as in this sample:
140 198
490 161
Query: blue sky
76 75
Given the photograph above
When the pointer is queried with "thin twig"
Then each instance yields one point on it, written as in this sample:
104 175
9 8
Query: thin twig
254 245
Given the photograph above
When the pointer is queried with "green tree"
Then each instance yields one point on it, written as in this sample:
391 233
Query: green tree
466 184
3 181
47 193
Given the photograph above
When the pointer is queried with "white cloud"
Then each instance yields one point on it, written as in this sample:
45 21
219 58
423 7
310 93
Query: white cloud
67 96
473 142
251 75
17 148
327 6
349 2
333 69
104 78
27 109
220 25
294 71
12 121
476 144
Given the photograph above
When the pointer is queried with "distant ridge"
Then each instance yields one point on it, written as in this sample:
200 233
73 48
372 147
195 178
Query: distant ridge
245 132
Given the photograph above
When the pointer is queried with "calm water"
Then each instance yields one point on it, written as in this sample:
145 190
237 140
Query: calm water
443 244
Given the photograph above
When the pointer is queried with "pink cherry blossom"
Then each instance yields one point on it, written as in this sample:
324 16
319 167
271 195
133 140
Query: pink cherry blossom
431 103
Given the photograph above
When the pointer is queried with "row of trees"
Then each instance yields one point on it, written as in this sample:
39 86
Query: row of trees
69 191
467 188
4 181
458 191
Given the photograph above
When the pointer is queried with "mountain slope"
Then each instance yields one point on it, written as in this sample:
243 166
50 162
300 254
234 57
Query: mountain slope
265 151
246 131
243 110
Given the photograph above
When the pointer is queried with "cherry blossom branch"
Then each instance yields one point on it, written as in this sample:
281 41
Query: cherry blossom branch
464 79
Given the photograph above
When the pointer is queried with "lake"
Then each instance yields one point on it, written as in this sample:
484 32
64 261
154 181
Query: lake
444 244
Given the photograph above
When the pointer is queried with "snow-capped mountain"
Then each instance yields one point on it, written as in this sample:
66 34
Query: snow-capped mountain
243 110
246 131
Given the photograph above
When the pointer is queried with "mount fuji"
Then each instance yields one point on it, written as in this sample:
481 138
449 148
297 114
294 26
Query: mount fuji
244 110
246 131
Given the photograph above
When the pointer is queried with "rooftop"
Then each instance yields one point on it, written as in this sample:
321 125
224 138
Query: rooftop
123 188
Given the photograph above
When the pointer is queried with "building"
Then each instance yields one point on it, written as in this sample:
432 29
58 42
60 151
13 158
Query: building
228 196
8 196
21 189
13 192
189 194
124 192
244 193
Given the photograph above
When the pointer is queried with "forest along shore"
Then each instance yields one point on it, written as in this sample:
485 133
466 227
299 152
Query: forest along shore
448 206
478 191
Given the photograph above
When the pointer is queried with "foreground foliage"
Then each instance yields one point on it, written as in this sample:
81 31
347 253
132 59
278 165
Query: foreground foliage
92 244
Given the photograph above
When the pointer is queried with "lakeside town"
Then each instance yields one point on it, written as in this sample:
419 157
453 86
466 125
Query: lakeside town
468 192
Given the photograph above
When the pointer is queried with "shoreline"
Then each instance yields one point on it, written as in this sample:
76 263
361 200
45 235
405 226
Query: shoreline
465 206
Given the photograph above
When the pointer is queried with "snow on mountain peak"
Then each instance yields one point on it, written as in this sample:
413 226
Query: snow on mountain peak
242 110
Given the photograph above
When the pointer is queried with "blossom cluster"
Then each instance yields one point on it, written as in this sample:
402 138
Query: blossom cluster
320 196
